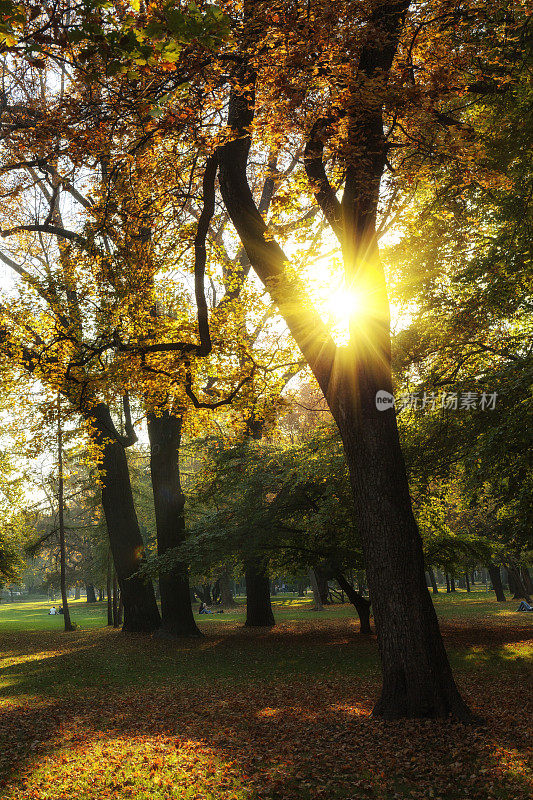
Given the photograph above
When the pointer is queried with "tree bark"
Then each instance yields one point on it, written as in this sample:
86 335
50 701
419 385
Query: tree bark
77 592
141 614
467 580
164 431
496 580
258 606
360 603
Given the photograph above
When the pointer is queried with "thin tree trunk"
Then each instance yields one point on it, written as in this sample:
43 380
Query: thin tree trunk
447 584
120 607
258 605
61 514
496 580
467 579
316 591
360 603
77 592
109 589
434 586
164 431
452 583
115 600
141 614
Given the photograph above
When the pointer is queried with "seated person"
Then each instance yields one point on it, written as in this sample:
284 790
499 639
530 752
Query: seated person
524 606
52 611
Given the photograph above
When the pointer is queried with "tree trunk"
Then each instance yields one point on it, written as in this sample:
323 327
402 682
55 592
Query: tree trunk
115 601
360 603
514 585
452 583
520 591
316 591
417 679
526 580
258 607
467 580
226 595
120 607
109 589
68 626
301 588
141 614
91 594
206 594
434 586
164 432
496 579
322 581
77 592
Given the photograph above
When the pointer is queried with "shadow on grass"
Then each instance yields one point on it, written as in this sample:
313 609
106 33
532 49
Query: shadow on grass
251 715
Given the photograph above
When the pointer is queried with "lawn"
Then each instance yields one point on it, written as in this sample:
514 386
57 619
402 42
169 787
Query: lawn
255 715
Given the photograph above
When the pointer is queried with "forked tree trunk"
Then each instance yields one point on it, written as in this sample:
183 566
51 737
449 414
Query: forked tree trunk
496 580
164 431
434 586
360 603
417 679
141 614
258 606
520 591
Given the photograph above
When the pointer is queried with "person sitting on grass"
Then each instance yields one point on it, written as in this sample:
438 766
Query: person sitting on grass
524 606
204 609
53 611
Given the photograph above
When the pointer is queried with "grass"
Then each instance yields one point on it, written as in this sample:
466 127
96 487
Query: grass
255 715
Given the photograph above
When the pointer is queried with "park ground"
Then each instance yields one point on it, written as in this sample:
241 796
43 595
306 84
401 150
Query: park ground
282 714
